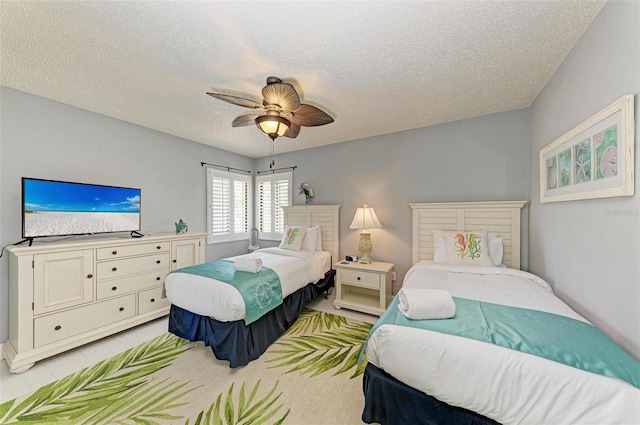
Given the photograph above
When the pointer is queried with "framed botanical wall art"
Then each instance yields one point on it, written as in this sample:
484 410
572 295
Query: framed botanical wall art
593 160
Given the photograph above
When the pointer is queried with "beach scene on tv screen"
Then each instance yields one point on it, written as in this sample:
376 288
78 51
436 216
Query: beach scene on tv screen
60 208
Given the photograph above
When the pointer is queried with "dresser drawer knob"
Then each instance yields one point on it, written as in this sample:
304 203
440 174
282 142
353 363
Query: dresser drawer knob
114 288
58 327
158 261
158 278
153 300
89 276
114 269
159 247
358 277
121 308
114 252
175 261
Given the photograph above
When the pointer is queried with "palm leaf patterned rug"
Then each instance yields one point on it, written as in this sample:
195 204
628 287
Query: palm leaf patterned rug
309 376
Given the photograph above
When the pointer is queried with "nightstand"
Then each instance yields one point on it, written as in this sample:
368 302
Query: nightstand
363 287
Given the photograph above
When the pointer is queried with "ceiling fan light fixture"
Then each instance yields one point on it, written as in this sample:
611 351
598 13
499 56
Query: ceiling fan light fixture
273 125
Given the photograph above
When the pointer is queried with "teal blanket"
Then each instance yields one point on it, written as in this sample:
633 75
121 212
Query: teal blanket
261 291
551 336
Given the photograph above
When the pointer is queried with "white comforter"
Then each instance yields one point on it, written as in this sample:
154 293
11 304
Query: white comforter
210 297
505 385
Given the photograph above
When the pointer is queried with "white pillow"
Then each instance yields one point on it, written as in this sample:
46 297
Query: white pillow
462 247
293 237
319 242
311 238
496 249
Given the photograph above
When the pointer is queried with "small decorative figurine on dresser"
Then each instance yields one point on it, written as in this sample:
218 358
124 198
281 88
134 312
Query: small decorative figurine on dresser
181 227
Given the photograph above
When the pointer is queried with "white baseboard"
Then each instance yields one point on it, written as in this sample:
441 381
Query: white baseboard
1 352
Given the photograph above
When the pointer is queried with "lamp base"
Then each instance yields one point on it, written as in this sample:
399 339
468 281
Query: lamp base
365 247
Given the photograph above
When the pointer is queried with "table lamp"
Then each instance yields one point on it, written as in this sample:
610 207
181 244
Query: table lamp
365 219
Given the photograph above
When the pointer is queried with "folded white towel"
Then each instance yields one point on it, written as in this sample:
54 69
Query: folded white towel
419 304
249 264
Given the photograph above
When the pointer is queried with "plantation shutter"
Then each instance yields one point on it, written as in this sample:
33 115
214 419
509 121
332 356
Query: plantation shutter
228 205
273 193
240 212
265 210
281 199
220 208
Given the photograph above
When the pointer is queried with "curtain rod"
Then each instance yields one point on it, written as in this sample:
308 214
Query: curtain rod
277 169
202 164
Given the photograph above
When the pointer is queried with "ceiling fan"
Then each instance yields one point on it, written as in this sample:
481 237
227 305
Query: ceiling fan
284 113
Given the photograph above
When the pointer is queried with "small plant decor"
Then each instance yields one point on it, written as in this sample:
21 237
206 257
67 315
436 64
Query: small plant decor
307 191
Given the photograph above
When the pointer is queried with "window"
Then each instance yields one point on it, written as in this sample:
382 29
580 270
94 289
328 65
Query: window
273 192
228 205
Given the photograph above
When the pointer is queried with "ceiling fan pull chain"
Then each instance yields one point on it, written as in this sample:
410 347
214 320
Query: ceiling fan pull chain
272 162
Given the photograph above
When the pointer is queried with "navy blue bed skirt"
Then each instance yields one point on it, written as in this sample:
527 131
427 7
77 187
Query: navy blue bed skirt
391 402
237 342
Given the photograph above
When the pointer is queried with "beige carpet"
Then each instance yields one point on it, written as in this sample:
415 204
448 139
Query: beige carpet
309 376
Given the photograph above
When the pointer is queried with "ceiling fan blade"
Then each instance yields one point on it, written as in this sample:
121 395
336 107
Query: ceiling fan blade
244 120
240 101
294 130
281 94
310 116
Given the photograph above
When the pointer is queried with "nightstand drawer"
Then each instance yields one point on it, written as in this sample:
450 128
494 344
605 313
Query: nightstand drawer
360 278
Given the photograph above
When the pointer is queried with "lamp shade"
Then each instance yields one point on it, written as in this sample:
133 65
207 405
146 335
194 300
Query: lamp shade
273 126
365 219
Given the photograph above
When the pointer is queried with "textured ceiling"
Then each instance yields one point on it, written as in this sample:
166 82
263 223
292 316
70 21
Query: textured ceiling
375 67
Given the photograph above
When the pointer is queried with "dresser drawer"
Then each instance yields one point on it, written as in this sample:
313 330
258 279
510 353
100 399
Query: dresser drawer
151 299
360 278
68 323
131 250
116 287
127 266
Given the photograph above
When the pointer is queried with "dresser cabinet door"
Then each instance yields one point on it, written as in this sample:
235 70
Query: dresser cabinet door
62 279
185 253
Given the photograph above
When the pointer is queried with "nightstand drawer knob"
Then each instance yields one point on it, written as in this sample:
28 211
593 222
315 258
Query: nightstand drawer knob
358 277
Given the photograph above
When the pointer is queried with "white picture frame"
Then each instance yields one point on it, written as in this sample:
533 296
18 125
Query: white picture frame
593 160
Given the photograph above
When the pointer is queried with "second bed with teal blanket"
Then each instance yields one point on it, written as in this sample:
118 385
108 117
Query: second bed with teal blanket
551 336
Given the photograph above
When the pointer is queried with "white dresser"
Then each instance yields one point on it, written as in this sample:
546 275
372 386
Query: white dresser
65 294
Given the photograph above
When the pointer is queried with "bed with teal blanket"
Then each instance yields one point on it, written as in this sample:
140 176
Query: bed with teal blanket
513 353
239 313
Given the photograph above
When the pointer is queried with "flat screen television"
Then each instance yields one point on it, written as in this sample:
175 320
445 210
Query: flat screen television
59 208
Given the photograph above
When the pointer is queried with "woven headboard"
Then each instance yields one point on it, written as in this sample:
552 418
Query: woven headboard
502 217
326 216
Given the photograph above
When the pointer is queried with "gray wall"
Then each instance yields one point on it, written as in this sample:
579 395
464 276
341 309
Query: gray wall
478 159
46 139
589 250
